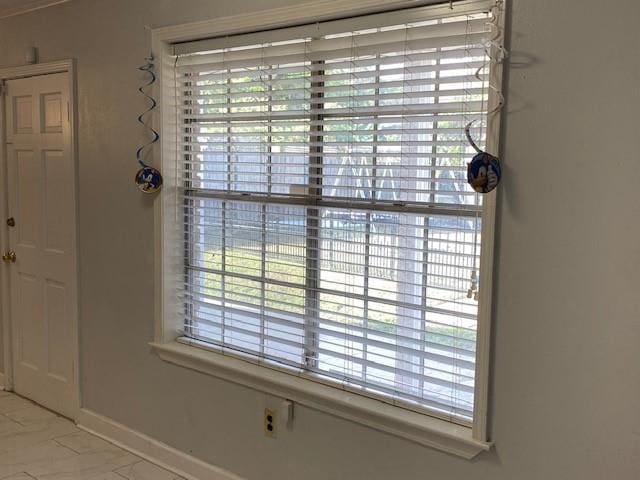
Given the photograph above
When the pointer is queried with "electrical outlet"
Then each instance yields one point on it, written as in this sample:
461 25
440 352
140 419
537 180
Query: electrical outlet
270 423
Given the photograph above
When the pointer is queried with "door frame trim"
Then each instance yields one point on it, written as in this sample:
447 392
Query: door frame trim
13 73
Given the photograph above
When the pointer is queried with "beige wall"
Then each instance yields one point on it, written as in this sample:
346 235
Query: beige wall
566 384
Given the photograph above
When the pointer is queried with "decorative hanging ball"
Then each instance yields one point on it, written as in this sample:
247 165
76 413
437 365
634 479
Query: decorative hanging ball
483 172
148 180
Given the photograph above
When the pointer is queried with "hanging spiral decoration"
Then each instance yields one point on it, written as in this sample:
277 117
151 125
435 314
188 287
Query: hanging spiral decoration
484 171
148 179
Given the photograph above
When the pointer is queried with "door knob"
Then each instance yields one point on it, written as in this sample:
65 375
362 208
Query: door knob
9 256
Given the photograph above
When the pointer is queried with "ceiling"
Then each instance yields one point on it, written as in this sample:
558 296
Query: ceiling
9 8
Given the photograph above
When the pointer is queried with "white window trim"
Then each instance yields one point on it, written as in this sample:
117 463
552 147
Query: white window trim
466 442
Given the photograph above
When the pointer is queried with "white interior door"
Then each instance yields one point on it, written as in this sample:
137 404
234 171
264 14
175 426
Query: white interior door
41 186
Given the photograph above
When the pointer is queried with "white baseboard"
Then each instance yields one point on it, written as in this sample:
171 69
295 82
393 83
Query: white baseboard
150 449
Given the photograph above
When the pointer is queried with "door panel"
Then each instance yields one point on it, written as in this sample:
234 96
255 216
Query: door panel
28 309
56 192
28 196
41 199
52 113
58 330
22 114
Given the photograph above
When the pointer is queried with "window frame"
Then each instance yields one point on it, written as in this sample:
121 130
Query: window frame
266 376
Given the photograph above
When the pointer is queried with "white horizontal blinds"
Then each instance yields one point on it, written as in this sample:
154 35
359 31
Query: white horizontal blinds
360 77
328 223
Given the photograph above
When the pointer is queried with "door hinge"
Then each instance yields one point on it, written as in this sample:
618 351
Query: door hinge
3 88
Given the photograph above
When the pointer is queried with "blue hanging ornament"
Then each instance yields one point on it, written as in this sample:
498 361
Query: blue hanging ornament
483 172
148 179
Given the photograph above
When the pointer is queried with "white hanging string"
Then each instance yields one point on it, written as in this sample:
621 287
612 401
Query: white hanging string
403 136
493 44
473 285
265 142
353 168
177 160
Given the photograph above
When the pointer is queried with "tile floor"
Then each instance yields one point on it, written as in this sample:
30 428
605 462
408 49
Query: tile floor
37 444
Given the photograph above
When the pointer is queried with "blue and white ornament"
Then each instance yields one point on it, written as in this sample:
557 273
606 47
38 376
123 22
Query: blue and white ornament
148 179
483 172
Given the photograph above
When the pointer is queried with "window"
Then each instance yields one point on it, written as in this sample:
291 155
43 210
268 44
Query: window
326 221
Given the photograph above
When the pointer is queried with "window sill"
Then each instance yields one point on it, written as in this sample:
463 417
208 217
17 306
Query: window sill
417 427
